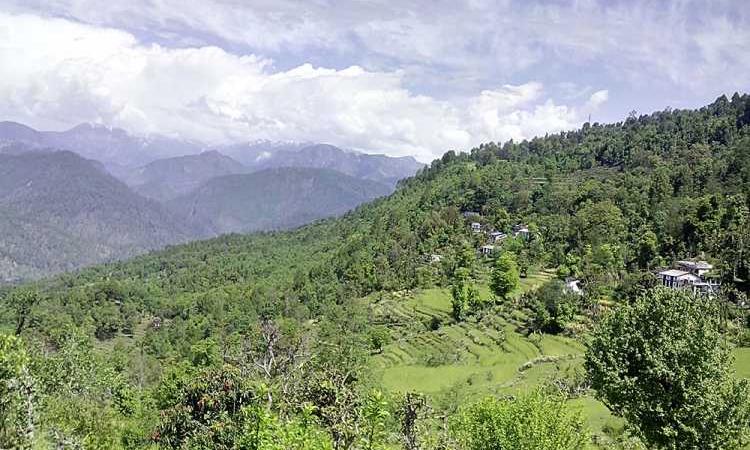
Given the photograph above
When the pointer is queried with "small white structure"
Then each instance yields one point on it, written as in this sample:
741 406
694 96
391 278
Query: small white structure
435 258
573 286
468 214
497 237
487 249
521 230
476 227
699 268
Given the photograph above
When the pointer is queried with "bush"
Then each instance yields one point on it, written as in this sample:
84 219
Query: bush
537 421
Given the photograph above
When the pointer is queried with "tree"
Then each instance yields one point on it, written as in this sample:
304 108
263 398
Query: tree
413 408
374 416
532 421
553 307
21 301
663 364
505 278
465 295
16 395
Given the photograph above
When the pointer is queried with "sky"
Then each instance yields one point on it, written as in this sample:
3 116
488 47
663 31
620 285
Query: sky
407 77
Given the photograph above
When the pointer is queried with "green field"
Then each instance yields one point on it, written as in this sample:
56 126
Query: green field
432 354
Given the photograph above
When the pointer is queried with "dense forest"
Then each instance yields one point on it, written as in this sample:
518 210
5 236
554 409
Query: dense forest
277 340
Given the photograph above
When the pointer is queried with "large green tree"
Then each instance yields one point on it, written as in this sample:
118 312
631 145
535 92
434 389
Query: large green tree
663 364
505 277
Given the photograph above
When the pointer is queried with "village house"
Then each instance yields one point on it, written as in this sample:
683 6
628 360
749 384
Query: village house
497 237
521 230
468 214
487 249
689 275
476 227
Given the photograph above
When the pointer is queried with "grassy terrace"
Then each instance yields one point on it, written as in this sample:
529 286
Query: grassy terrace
433 354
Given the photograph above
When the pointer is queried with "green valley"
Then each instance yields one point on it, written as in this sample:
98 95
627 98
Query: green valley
502 295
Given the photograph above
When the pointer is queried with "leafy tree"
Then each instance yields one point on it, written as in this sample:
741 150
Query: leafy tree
17 415
663 364
374 416
505 278
21 301
379 337
531 421
553 307
465 295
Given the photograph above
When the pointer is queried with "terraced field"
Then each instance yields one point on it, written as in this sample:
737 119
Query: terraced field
492 355
433 354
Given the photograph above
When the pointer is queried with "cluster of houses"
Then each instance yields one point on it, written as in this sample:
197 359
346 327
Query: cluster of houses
690 275
494 237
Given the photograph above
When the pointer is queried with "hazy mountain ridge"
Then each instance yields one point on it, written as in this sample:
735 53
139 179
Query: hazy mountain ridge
165 179
278 198
380 168
114 147
130 157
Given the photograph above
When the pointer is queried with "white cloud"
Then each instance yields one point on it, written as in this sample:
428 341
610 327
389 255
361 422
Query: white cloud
689 43
597 99
60 72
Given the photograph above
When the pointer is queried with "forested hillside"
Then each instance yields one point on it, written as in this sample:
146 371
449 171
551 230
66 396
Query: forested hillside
274 199
165 179
385 328
60 212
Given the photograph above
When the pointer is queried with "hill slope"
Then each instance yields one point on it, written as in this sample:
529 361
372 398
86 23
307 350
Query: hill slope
165 179
607 204
275 198
59 212
384 169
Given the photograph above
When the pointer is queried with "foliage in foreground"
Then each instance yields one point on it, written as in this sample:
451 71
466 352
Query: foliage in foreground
531 421
663 364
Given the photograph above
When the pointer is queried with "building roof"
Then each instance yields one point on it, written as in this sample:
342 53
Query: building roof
696 264
488 247
676 273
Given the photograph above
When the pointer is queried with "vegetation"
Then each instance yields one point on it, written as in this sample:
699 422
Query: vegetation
535 420
342 334
662 363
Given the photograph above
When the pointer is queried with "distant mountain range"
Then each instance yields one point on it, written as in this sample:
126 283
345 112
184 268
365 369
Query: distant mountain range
277 198
92 194
123 153
113 147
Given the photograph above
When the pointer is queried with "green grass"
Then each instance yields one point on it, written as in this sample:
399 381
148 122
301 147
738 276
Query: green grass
742 362
462 362
474 358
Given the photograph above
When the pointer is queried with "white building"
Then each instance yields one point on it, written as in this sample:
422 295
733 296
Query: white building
699 268
690 275
573 286
521 230
476 227
487 249
678 279
497 237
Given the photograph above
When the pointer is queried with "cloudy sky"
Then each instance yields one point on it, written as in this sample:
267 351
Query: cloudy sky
407 77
